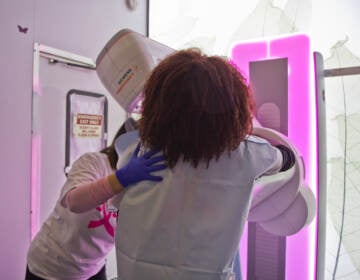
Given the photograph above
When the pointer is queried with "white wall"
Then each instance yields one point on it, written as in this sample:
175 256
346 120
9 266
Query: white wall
15 118
81 27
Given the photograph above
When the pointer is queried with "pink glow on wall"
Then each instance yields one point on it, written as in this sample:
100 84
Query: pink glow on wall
35 185
35 151
302 123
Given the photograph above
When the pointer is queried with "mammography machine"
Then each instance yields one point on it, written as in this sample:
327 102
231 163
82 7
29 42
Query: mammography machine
281 218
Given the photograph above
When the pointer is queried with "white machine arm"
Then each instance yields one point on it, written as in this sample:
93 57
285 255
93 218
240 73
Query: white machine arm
281 203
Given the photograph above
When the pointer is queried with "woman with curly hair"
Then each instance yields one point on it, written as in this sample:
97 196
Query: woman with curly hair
197 110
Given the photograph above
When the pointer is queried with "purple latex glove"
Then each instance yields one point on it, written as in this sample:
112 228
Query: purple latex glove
139 168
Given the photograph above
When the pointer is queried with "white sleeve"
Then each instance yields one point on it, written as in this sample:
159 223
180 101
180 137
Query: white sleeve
87 196
277 164
88 168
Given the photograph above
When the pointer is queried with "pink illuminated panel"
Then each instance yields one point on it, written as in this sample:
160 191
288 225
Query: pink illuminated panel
302 123
35 184
35 151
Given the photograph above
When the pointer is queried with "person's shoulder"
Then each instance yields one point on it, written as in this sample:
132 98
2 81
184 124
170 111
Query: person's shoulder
91 156
259 148
91 159
88 167
256 140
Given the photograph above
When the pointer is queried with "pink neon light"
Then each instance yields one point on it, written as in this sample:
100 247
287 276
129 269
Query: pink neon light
244 53
35 185
302 123
35 158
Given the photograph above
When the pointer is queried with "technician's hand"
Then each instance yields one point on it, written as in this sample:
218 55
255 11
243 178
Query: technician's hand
140 168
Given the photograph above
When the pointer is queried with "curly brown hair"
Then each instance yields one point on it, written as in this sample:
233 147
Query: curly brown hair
195 107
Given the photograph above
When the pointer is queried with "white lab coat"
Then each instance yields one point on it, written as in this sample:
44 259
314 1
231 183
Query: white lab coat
188 226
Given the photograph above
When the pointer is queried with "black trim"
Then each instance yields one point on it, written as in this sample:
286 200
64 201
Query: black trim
147 28
288 157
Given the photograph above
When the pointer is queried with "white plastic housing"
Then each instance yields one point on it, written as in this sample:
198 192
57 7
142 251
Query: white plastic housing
125 63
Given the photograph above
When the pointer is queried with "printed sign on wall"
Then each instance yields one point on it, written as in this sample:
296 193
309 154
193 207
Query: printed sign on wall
87 125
